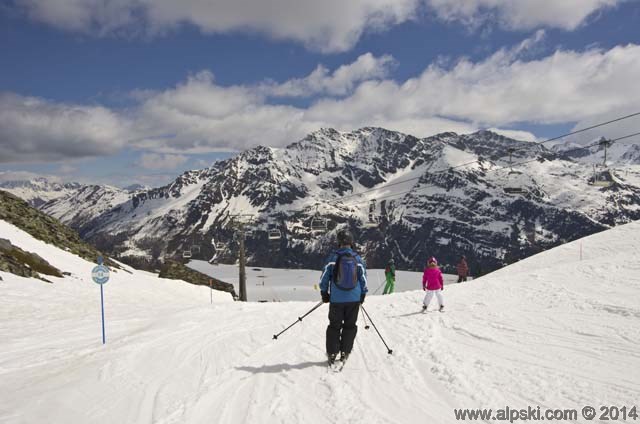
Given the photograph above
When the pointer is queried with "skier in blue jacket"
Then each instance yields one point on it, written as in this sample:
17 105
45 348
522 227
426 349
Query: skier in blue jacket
343 284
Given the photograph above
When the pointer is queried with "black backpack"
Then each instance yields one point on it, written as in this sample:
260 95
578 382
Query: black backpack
345 271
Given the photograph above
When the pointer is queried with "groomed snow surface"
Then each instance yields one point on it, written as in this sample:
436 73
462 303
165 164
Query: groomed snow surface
553 331
278 285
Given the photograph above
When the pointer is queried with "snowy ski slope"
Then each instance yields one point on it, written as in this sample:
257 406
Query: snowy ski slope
551 331
275 284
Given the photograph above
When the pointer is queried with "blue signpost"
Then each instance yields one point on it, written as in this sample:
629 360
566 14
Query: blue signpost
100 275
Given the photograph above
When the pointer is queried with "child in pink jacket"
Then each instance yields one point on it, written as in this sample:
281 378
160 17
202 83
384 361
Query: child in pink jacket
433 283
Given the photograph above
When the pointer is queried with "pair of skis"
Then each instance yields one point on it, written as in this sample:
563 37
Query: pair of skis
337 365
424 310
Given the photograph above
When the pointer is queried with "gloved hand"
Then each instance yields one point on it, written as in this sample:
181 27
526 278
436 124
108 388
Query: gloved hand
442 287
362 298
325 296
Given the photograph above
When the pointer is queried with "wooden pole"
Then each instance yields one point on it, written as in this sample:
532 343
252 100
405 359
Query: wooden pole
580 250
243 275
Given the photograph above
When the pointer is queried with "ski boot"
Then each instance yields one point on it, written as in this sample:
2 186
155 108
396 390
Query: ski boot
331 358
344 356
441 308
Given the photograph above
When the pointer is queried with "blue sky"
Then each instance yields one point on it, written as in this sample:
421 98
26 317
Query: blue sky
123 92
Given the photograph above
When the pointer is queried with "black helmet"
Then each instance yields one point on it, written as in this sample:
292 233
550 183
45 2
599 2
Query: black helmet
345 238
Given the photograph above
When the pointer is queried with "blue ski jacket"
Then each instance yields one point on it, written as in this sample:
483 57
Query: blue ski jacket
339 295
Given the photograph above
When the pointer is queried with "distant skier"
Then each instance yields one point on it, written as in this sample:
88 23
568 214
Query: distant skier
344 284
432 283
390 275
463 269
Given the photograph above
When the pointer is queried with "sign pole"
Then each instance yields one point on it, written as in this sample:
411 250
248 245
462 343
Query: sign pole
102 309
100 276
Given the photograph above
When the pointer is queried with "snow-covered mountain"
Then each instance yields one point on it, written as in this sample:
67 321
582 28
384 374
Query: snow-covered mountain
39 190
423 211
72 203
559 330
85 204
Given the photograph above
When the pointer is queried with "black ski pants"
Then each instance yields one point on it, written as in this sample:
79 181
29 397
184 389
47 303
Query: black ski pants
342 328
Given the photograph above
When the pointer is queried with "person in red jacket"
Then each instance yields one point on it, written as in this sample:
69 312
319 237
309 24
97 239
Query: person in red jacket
432 283
463 269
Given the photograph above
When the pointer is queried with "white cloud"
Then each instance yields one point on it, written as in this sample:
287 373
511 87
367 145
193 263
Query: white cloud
515 134
34 129
26 176
159 161
502 90
520 14
199 115
340 82
67 169
328 25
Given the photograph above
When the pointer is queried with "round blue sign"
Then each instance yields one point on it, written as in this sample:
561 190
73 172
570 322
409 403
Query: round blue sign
100 274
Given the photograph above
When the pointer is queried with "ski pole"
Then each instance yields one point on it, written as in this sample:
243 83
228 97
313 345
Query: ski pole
389 351
366 325
275 336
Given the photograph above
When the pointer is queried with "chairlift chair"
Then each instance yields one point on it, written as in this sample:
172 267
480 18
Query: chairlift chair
274 234
602 179
513 186
195 249
186 254
318 225
514 189
220 247
372 221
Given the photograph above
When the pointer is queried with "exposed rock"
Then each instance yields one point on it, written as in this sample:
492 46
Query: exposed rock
24 264
177 271
43 227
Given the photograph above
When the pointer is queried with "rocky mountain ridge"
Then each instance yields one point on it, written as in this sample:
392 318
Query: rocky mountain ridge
444 195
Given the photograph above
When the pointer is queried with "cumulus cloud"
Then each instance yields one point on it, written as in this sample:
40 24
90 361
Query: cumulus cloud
502 90
7 176
328 25
34 129
515 134
340 82
520 14
160 161
199 115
